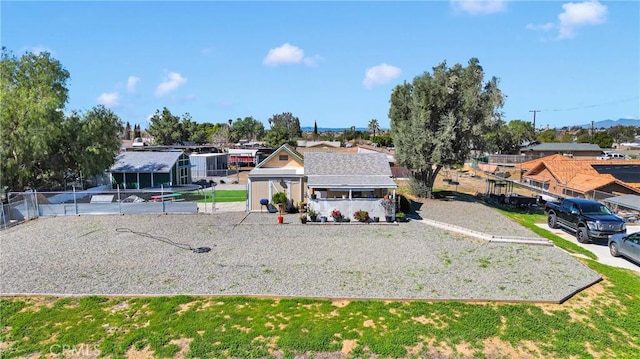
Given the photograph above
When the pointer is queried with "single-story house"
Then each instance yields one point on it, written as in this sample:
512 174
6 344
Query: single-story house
146 169
581 178
569 149
282 171
348 182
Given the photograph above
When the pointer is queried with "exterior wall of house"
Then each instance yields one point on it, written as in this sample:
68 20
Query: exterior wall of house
264 188
349 206
282 160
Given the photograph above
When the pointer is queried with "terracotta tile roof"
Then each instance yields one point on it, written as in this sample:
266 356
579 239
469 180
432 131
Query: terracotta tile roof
576 174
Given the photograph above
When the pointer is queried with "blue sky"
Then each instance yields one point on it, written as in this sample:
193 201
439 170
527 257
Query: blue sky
333 62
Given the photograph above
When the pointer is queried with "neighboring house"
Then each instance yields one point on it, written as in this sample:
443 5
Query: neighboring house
317 146
348 182
569 177
570 149
145 169
282 171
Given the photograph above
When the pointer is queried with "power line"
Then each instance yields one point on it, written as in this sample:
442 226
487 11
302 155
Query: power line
588 106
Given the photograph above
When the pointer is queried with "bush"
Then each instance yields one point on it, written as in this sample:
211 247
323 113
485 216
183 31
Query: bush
279 198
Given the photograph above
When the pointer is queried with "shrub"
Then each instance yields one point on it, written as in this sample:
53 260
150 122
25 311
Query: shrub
279 198
361 216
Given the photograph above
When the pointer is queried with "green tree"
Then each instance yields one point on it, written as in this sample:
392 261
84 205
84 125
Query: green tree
277 137
602 139
285 128
34 93
547 136
127 131
315 130
438 118
374 126
248 128
165 128
622 133
583 136
98 140
509 137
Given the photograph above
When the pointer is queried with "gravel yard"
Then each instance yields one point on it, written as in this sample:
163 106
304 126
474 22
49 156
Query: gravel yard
252 255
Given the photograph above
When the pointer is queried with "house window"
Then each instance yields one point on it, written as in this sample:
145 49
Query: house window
283 157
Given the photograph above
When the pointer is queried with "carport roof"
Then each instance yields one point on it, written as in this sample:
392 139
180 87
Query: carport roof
146 161
631 201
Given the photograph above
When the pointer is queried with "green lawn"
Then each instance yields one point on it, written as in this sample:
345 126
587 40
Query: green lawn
228 195
602 321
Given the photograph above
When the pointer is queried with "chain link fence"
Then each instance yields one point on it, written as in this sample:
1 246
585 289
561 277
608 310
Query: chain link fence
22 206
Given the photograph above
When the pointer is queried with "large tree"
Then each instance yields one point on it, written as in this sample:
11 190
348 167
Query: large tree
34 93
86 147
438 118
165 128
248 128
285 128
507 138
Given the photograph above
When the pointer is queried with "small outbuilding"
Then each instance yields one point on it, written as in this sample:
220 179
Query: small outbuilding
146 169
282 171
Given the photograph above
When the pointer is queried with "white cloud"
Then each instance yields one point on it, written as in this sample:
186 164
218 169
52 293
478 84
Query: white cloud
312 61
380 74
172 81
132 81
109 99
580 14
479 7
285 54
543 27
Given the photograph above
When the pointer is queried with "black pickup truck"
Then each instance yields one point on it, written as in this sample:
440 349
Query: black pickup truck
588 219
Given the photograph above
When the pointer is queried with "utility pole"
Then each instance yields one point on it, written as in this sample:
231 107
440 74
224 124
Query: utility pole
534 118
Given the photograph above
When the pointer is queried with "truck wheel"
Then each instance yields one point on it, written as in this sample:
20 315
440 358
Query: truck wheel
582 235
613 248
552 221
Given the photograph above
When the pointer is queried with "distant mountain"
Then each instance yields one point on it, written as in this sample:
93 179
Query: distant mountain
612 123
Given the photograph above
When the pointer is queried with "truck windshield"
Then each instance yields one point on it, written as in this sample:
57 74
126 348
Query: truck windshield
595 209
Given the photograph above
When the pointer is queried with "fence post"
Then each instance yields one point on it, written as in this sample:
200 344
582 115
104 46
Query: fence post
75 202
162 196
26 205
35 196
119 202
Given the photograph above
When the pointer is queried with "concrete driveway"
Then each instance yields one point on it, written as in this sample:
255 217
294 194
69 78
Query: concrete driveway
600 248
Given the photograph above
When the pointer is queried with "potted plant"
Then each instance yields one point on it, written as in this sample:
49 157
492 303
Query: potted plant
361 215
401 217
313 216
279 199
337 216
303 218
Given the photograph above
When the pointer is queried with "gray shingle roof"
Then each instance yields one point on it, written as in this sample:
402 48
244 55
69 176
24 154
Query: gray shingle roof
628 200
348 170
144 161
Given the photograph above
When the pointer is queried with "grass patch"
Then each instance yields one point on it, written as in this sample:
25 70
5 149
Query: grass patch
227 195
224 327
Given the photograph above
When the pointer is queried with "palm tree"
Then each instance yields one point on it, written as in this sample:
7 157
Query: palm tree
374 126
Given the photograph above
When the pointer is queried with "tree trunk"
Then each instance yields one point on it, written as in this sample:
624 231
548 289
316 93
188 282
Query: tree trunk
428 177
